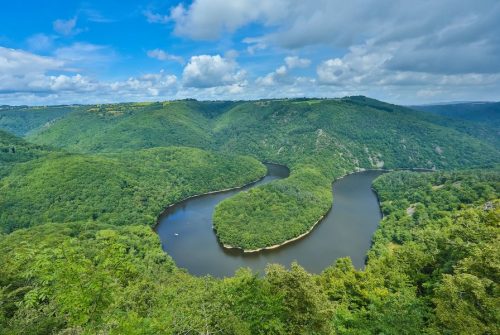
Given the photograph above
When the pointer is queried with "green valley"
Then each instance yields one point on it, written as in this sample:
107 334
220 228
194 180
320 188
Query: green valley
80 193
250 167
320 140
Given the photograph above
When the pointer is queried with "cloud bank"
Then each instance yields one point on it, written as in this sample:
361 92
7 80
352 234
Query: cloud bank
400 51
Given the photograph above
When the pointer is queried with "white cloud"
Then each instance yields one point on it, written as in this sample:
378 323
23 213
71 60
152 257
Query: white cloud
254 45
297 62
164 56
152 84
281 71
65 27
278 76
465 40
209 71
75 83
207 19
363 70
13 62
152 17
282 74
330 71
28 77
21 71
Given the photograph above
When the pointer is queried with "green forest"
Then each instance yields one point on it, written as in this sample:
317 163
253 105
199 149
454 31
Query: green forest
119 189
434 271
82 187
320 140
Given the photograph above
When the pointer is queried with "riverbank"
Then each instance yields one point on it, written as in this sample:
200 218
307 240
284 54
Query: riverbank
166 209
275 246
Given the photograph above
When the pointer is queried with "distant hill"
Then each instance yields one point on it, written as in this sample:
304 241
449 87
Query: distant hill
122 189
478 119
23 120
472 111
356 131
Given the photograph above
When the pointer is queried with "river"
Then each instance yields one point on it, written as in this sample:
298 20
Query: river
185 230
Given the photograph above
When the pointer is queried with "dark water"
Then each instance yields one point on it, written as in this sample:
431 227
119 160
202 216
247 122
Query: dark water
186 231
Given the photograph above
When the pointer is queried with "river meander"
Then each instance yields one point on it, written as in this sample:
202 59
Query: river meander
185 230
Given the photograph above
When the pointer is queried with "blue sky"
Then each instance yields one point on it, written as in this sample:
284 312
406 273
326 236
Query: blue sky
407 52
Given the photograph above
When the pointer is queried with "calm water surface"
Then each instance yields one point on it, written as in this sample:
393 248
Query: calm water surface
186 231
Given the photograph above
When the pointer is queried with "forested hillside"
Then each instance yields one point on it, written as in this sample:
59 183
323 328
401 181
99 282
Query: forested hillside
282 202
320 140
433 269
120 189
15 150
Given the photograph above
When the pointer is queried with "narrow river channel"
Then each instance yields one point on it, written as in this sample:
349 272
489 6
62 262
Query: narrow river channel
185 230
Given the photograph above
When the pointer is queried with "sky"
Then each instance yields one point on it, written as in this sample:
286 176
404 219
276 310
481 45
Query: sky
400 51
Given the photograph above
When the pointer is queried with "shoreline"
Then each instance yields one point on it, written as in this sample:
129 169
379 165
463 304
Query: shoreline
163 212
275 246
165 209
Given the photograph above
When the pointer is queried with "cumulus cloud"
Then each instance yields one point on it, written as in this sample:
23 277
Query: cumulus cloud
294 62
274 78
164 56
152 84
27 76
364 69
282 74
464 40
21 71
209 71
65 27
207 19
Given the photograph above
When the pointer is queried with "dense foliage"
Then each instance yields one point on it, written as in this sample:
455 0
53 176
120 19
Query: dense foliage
320 140
433 270
130 126
16 150
441 233
124 188
102 279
